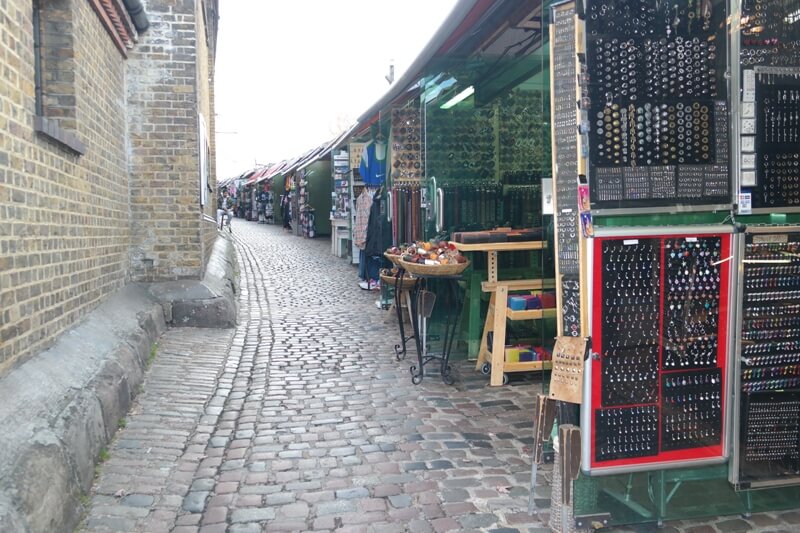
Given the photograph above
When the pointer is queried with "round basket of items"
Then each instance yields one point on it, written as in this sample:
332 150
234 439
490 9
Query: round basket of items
389 277
393 254
433 258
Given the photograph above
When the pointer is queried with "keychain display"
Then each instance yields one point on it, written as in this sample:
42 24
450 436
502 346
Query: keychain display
660 332
769 375
658 109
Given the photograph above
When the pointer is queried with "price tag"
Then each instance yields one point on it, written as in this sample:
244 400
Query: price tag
748 161
749 178
691 239
748 143
749 126
630 242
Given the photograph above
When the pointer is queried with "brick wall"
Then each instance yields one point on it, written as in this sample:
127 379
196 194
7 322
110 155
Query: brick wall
64 218
77 224
163 135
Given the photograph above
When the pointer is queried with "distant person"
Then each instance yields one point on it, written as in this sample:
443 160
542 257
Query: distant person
286 211
224 206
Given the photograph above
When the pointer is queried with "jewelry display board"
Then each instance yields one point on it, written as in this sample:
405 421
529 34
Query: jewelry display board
656 393
767 440
566 381
769 79
407 147
566 164
658 113
777 139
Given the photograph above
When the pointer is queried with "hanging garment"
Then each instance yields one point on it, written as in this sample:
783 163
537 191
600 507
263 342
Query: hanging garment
363 205
373 164
374 245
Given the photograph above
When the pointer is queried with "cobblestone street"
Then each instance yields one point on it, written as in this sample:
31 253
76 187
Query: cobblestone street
301 419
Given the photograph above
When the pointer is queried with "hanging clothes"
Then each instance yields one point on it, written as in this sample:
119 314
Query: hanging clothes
363 206
373 164
374 245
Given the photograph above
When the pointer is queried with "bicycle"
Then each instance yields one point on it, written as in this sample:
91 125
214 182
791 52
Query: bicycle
225 220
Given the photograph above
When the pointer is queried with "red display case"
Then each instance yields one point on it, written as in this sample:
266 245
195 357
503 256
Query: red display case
657 380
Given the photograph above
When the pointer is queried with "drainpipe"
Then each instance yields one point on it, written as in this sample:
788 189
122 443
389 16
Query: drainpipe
138 16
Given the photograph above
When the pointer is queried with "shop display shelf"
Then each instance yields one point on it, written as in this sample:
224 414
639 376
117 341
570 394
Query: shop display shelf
530 314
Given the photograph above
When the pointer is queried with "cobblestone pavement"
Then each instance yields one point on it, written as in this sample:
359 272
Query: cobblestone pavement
301 419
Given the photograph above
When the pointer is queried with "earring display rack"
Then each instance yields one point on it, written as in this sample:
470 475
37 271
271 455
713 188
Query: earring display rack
657 119
767 440
659 334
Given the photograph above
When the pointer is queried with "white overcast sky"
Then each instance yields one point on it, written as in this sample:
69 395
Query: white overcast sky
291 73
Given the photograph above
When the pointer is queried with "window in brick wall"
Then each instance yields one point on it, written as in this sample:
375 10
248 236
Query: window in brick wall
54 59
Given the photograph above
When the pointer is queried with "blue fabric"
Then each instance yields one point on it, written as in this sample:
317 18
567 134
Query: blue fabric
368 266
372 169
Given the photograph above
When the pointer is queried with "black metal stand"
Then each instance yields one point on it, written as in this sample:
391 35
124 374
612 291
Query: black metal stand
453 305
400 349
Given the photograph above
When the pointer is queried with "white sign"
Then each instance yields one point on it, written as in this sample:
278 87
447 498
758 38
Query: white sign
745 203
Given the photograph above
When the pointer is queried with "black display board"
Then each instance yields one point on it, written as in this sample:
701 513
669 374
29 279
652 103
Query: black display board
777 142
565 138
658 113
769 49
565 99
769 380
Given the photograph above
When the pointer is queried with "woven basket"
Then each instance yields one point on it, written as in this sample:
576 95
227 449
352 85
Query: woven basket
391 280
395 259
434 270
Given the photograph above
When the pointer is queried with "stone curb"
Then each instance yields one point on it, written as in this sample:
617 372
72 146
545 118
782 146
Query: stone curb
59 409
210 303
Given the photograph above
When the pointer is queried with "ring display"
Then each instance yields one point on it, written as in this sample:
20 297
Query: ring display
658 107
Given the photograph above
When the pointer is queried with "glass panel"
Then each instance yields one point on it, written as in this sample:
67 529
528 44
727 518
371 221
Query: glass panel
486 149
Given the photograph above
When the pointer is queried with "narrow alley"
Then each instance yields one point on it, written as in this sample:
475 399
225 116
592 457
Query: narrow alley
302 419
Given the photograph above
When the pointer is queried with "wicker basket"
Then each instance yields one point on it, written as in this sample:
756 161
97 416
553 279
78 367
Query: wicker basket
434 270
390 279
395 259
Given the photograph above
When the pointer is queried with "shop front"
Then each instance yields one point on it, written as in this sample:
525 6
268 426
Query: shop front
676 242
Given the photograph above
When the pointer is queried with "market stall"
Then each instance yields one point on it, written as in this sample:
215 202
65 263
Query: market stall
675 249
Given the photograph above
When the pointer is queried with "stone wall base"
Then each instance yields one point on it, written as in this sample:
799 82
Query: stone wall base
61 407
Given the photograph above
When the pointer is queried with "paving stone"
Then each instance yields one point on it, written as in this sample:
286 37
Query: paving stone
400 501
252 515
244 528
455 495
194 502
294 510
218 442
335 507
477 520
350 494
138 500
386 490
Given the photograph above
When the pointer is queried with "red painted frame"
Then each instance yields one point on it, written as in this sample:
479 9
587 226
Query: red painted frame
669 458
